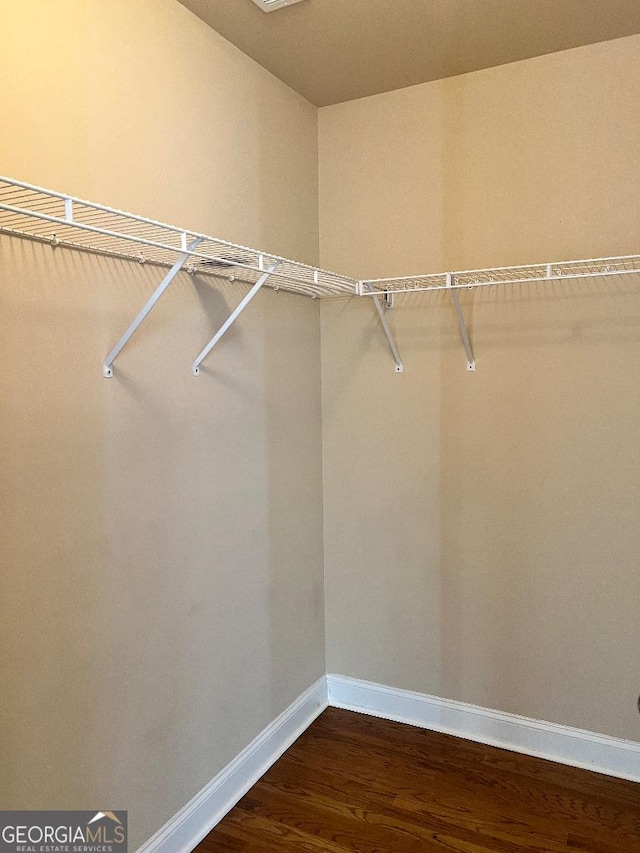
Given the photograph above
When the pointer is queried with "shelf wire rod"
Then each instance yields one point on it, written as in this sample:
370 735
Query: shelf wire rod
33 192
232 318
9 185
107 367
130 229
83 247
467 286
497 270
349 284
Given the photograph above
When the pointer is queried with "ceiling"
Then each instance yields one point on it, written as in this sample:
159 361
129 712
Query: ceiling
336 50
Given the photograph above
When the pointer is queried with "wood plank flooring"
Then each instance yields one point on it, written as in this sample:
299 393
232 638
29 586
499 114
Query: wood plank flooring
359 784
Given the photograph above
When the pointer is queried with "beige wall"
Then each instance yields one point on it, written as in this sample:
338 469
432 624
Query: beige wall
141 106
162 588
481 529
162 536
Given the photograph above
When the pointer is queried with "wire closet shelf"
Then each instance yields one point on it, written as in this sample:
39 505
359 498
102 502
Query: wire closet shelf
59 219
527 274
45 215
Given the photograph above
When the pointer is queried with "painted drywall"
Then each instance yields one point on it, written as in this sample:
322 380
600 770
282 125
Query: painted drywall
142 107
162 536
481 528
162 586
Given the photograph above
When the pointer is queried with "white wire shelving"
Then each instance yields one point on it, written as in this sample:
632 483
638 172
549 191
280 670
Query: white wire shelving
30 211
527 274
383 290
35 213
63 220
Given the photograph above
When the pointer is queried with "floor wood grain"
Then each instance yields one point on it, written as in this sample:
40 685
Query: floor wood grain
355 783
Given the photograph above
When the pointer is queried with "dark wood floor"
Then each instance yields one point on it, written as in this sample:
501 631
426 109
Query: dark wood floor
355 783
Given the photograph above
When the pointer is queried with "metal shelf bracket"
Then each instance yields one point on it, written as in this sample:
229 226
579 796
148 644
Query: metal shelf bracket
381 308
107 367
58 219
232 318
471 362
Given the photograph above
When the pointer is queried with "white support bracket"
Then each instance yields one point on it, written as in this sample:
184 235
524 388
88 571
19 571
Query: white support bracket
471 363
380 308
107 367
231 319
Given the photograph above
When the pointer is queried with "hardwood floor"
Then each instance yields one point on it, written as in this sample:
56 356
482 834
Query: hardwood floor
356 783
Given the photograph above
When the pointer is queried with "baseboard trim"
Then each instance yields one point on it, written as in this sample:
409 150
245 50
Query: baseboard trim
197 818
564 744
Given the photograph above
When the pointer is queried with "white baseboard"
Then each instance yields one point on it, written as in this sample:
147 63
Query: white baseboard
197 818
566 745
